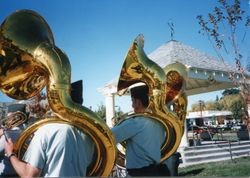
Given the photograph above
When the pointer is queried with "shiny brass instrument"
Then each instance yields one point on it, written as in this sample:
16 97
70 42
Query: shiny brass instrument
29 61
14 119
175 90
166 90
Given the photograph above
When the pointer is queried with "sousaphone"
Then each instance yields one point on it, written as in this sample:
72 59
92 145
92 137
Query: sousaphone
167 99
30 61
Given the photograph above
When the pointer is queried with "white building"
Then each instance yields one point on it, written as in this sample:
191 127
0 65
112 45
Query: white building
209 117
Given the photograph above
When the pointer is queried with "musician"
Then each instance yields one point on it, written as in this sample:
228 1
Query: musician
144 138
6 169
56 150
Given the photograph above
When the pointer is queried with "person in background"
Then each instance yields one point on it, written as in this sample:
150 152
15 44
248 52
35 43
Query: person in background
144 137
6 169
56 150
38 107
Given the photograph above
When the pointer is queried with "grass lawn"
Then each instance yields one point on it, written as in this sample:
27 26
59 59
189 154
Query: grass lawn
231 168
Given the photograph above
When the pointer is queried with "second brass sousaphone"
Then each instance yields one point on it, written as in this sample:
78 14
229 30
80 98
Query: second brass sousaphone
167 102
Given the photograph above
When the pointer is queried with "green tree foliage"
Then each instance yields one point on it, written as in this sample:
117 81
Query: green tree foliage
101 111
118 111
208 105
200 106
212 105
195 107
237 108
231 100
230 91
234 103
228 100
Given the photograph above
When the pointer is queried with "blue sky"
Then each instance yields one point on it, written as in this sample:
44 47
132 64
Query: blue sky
96 34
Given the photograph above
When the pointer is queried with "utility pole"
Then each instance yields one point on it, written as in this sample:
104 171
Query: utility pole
202 105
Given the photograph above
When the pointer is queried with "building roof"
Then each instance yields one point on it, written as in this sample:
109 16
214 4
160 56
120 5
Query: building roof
175 51
205 73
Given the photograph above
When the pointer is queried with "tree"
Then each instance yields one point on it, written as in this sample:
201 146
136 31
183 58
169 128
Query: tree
208 105
118 112
230 91
199 106
101 111
234 103
226 29
195 107
237 108
213 105
226 101
217 105
231 100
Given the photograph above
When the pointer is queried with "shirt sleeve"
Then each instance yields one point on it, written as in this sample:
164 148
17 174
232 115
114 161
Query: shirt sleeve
35 154
126 130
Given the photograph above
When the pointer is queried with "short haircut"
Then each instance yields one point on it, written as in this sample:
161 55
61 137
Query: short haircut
141 93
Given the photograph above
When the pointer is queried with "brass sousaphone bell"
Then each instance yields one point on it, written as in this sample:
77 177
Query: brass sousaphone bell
167 100
29 61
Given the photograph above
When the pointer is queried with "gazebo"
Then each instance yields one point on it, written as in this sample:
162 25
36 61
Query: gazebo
204 73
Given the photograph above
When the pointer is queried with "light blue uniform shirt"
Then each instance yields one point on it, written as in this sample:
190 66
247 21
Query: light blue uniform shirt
144 138
60 150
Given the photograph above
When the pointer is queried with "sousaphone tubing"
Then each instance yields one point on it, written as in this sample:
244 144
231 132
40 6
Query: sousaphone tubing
30 61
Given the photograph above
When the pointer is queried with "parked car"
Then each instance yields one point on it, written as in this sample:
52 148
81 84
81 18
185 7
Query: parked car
236 127
195 129
198 129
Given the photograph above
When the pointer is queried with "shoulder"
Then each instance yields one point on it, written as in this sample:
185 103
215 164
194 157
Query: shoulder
127 124
55 126
148 121
133 120
51 128
142 118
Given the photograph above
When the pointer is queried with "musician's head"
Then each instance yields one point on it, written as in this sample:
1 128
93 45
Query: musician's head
140 99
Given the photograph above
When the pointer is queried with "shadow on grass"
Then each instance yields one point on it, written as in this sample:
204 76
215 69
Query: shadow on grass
191 172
